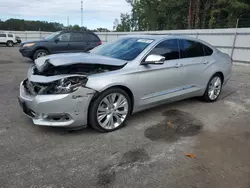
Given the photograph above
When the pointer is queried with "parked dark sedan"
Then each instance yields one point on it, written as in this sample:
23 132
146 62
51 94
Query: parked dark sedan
60 42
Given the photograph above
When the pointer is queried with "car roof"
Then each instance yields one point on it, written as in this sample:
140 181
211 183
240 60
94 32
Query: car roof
159 37
65 31
6 32
162 37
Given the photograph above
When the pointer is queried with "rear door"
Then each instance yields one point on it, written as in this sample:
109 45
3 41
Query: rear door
194 60
77 42
3 38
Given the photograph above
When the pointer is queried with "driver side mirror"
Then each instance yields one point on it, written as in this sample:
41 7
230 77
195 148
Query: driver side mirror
57 40
154 59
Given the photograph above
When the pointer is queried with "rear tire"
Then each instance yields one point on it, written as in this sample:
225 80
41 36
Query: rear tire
109 110
213 89
40 53
10 43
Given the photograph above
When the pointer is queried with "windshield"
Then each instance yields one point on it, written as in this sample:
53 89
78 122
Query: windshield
52 36
125 49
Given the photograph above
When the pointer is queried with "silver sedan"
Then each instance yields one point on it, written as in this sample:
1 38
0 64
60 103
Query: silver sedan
103 87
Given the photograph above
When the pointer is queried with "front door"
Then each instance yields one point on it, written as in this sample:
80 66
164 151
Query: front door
60 44
162 82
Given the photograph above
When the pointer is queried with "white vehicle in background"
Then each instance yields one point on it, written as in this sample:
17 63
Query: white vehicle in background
7 38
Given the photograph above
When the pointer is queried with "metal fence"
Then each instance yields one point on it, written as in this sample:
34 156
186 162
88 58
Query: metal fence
235 41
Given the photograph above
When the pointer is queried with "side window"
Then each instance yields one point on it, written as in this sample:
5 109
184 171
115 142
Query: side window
65 37
207 51
91 37
191 48
168 48
76 37
2 35
10 35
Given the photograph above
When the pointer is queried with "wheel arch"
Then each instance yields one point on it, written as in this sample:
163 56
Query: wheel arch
221 74
41 48
217 72
209 76
38 48
124 88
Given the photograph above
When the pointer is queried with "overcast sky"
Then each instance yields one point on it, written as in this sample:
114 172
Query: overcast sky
96 13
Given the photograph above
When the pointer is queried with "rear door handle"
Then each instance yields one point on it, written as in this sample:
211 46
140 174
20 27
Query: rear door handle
178 65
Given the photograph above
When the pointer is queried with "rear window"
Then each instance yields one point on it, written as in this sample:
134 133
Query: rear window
76 37
10 35
207 51
191 49
91 37
2 35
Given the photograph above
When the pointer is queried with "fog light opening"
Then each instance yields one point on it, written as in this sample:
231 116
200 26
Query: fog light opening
58 117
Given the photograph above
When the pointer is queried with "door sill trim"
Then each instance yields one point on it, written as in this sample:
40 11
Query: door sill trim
167 92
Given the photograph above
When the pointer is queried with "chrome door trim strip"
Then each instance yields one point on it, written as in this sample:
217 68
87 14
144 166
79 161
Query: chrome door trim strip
167 92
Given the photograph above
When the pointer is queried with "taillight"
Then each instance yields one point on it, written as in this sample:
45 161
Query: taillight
100 43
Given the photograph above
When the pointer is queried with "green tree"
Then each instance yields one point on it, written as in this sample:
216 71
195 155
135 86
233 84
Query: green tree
21 25
1 22
226 12
125 24
183 14
76 28
102 30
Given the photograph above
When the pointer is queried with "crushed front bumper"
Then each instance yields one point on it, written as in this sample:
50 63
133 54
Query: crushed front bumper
64 110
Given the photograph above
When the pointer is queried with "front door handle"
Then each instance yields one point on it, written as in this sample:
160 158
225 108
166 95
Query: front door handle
206 62
178 65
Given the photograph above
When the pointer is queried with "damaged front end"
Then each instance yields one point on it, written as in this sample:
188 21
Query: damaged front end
54 92
50 78
62 86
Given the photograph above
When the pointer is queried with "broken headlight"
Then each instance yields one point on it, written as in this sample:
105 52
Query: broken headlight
67 85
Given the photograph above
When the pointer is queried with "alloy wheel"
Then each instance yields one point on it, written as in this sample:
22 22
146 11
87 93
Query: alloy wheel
41 54
112 111
214 88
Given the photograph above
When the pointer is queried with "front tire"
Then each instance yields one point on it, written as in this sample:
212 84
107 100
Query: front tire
40 53
214 88
109 110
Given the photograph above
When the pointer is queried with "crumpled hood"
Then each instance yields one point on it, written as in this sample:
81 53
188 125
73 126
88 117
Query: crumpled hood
34 41
76 58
